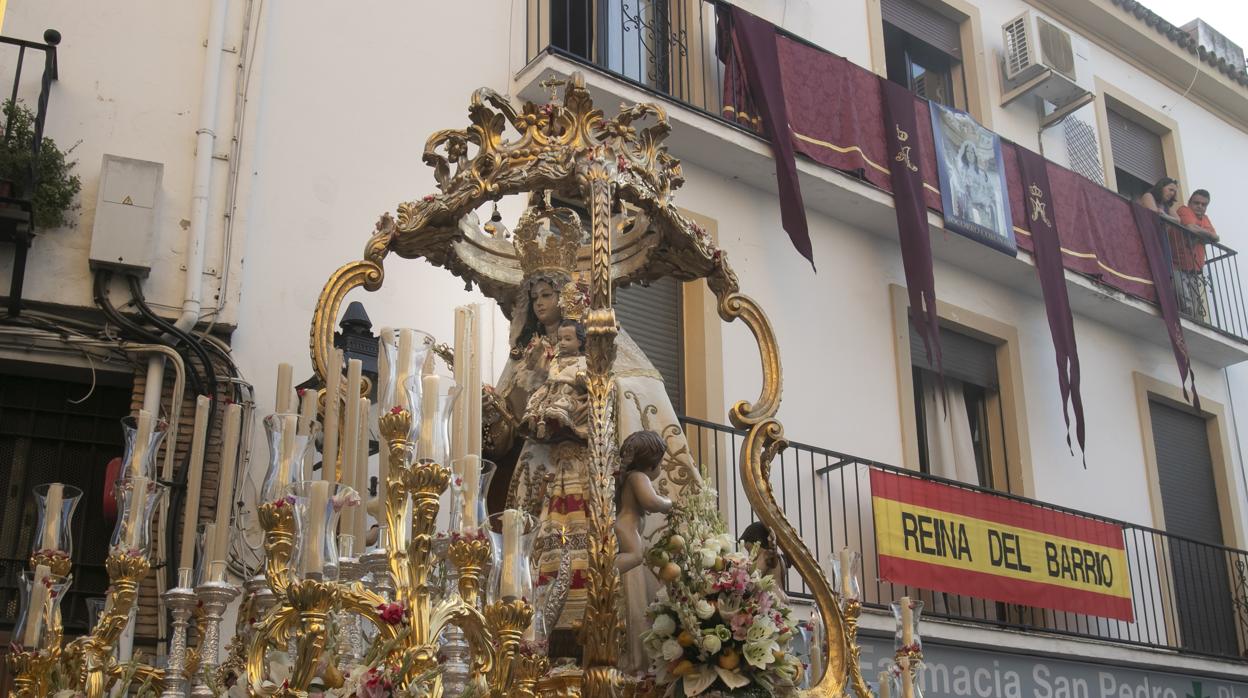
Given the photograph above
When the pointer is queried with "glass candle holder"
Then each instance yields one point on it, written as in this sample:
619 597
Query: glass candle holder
401 356
95 607
844 569
41 595
906 638
55 505
203 544
906 684
288 449
432 421
469 487
512 534
136 503
317 506
140 458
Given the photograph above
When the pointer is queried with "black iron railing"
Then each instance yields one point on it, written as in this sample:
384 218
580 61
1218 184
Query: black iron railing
1187 595
17 197
1206 281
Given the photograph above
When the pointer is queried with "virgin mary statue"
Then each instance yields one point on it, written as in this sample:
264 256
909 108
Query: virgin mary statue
551 475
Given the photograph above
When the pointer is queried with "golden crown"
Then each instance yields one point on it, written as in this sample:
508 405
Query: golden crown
548 239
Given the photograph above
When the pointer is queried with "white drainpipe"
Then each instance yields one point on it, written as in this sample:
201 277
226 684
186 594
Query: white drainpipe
201 191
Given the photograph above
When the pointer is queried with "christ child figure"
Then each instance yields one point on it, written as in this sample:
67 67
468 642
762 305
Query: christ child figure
640 456
558 406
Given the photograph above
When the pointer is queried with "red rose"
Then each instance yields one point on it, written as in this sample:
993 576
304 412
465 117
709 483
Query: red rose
392 613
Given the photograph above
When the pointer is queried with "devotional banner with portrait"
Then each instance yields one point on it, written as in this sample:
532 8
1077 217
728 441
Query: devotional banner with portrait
972 179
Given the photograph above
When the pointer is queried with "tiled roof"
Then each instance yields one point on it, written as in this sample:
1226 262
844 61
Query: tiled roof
1183 40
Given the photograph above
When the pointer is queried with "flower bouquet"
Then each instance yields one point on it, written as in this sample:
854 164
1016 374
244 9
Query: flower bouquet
719 625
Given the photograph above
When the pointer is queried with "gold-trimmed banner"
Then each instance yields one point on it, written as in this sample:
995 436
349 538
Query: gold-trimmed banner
936 536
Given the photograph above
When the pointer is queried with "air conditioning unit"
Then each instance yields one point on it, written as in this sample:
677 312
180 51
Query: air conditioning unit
1032 44
1040 58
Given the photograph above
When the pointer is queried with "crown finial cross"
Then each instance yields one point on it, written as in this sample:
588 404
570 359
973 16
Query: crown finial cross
553 83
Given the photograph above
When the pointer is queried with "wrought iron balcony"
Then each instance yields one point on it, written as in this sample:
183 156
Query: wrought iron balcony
1206 281
1189 596
670 49
17 197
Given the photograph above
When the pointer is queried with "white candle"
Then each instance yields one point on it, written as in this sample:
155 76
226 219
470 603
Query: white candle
190 518
225 482
459 418
38 603
428 408
351 429
318 499
290 447
403 371
307 416
209 534
885 680
138 500
284 380
472 485
513 528
847 578
383 368
329 457
472 388
907 678
52 504
143 436
907 622
361 475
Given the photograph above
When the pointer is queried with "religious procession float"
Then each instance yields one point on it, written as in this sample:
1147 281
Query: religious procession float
555 593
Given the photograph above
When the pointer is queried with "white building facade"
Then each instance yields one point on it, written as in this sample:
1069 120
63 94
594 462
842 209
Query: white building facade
315 116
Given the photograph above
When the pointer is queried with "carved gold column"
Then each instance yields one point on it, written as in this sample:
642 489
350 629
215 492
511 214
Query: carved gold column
600 628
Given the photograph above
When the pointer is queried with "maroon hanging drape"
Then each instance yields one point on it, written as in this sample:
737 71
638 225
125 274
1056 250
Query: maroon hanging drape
1149 224
1041 220
755 41
901 138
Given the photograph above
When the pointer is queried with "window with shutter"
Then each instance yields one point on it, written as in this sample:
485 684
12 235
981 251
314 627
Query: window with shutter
923 51
970 369
1190 504
1138 154
652 317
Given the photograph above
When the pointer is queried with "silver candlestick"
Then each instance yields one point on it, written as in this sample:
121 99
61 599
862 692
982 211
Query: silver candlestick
216 596
181 603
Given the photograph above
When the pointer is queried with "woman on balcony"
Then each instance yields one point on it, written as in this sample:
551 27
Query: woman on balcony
1162 197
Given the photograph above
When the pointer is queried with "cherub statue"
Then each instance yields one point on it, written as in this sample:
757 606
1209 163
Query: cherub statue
640 456
559 404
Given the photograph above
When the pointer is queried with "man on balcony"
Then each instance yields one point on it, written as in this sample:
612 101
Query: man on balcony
1188 247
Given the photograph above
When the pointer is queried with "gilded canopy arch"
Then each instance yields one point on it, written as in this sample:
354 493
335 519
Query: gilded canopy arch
620 174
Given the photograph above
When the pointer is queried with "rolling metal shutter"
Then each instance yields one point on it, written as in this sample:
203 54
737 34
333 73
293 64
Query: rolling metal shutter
1136 149
1190 502
652 316
925 24
964 358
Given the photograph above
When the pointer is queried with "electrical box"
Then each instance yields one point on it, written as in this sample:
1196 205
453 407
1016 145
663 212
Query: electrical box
124 234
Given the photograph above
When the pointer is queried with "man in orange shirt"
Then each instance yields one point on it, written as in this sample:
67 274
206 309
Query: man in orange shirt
1188 248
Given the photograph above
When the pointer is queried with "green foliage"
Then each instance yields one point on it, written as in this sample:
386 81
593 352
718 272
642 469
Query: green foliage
56 186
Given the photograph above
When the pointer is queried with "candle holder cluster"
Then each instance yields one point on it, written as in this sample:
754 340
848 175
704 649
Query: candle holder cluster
41 663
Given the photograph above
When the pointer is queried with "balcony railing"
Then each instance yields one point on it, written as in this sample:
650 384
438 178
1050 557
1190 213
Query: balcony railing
669 48
1206 281
1187 595
17 197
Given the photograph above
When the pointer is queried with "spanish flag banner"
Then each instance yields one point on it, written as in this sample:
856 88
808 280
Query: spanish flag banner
936 536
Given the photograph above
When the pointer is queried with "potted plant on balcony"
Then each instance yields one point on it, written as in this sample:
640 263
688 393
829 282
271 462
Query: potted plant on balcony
52 196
